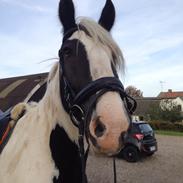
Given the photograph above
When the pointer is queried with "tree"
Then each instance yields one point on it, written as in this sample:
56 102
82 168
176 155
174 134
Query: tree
154 112
134 92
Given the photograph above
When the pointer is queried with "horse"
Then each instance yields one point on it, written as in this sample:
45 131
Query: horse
84 97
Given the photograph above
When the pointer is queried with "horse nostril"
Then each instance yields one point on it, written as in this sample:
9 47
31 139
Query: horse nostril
100 128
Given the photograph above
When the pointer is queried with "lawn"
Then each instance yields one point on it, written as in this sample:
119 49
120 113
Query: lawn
171 133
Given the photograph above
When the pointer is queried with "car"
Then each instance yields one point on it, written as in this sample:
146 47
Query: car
139 140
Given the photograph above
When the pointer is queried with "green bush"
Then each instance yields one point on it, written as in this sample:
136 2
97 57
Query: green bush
179 127
168 111
158 125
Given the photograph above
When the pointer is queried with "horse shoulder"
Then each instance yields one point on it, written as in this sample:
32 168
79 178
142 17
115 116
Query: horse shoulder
28 149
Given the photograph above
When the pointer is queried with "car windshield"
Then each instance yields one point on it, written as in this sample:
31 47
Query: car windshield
145 127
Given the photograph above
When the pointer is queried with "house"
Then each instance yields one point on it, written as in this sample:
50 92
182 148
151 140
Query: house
174 96
145 104
170 94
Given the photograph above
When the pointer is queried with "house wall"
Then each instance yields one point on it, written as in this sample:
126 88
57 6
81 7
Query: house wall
179 101
176 101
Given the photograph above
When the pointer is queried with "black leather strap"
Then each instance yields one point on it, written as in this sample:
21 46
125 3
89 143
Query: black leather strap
108 83
80 105
69 98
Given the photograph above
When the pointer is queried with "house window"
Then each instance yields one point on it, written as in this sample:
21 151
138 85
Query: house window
179 107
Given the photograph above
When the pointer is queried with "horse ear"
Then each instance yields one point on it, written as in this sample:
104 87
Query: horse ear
108 15
67 14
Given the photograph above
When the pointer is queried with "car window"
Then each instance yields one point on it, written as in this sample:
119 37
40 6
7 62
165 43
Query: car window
134 128
145 127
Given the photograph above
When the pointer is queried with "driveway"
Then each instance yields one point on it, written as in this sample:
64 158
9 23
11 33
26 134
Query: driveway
165 166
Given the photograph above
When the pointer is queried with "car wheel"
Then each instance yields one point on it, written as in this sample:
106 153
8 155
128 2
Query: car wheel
131 154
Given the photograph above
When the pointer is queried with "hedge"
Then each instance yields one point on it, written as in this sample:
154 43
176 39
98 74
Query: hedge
158 125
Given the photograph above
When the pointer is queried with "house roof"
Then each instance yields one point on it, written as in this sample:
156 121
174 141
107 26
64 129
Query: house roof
14 90
170 94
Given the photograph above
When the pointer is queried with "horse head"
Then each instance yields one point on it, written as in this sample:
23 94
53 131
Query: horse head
90 88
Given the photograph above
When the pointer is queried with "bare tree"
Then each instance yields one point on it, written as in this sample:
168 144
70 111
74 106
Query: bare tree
133 91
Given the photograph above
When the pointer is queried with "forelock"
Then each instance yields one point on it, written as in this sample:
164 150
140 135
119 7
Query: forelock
99 34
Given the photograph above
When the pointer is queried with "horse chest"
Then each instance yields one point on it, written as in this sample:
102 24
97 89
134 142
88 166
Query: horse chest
66 156
29 159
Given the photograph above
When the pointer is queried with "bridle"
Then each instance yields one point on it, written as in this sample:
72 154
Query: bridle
79 105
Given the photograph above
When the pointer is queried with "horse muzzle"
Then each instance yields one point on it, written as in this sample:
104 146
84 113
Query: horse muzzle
108 124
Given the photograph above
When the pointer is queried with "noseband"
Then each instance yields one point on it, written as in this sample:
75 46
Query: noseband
80 105
73 103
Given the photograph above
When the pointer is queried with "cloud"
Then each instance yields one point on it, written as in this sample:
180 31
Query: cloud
145 27
147 75
150 34
20 58
149 81
27 5
88 8
136 54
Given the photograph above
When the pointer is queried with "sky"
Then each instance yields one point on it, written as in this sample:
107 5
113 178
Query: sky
150 34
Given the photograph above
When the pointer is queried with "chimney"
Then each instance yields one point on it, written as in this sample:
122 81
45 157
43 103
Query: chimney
170 90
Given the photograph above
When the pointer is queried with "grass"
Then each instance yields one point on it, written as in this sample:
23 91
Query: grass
171 133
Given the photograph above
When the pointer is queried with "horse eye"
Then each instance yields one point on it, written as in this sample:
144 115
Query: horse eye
67 52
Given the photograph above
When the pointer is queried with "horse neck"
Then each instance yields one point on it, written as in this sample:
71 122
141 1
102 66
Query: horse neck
52 107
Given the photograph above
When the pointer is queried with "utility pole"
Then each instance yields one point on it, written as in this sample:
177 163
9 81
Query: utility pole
161 85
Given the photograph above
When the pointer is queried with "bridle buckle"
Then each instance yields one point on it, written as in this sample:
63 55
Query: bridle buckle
77 115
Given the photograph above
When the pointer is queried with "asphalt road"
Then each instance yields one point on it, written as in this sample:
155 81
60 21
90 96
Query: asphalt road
165 166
